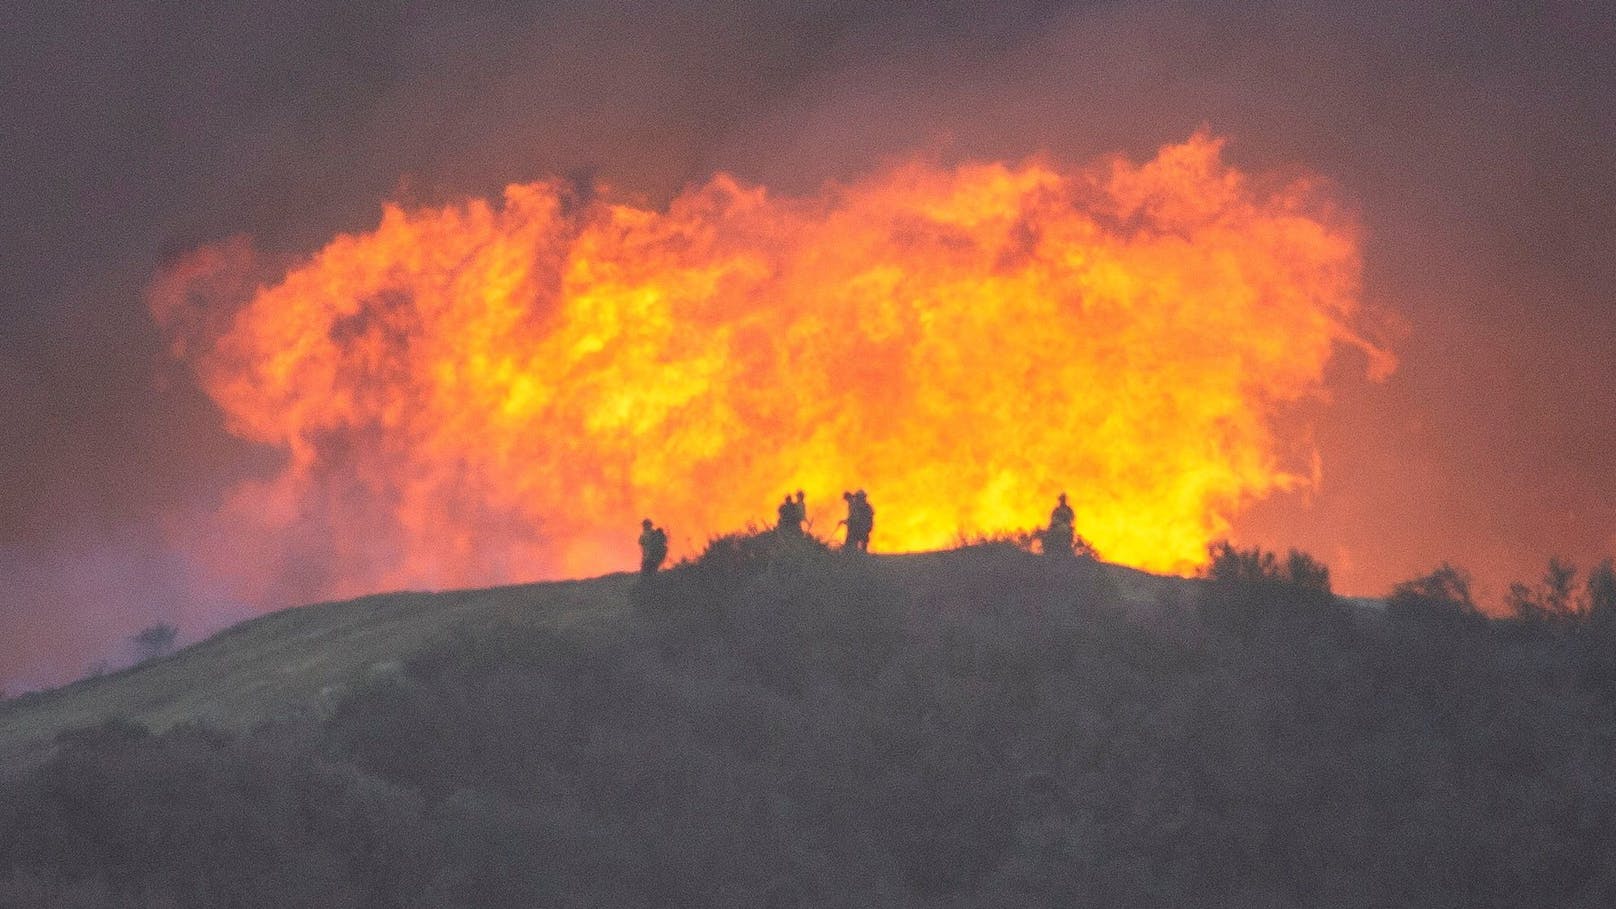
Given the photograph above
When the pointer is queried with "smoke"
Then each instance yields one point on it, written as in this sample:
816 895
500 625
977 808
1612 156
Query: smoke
130 581
1476 147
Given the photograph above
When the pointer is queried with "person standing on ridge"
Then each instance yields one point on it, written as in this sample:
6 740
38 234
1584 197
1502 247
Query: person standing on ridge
802 510
1062 528
866 516
860 521
653 547
848 521
790 518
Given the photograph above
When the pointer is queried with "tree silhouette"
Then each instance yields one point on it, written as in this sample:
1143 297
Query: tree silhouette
154 641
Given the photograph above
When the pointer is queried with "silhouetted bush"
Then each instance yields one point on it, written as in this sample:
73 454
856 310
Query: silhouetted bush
154 641
200 817
724 567
1036 540
1250 591
1229 565
1304 572
1023 540
1299 572
1046 543
1443 596
1553 600
1601 593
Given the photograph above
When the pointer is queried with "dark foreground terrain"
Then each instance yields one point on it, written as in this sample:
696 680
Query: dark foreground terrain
786 726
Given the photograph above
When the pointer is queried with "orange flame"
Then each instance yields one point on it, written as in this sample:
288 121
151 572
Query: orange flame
480 393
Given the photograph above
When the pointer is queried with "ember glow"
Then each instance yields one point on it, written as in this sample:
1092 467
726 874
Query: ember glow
491 392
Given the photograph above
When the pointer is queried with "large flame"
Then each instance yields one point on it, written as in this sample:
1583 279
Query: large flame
486 392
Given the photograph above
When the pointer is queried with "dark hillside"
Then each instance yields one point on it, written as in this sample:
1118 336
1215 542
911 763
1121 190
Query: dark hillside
796 727
296 662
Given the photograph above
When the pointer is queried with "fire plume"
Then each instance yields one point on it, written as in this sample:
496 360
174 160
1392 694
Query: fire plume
487 392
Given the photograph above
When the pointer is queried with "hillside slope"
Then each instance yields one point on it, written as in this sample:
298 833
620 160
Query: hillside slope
296 661
299 661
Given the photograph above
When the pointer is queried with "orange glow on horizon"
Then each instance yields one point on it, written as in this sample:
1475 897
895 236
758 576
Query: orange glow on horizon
490 392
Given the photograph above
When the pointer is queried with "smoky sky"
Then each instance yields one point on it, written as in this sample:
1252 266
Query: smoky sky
1476 147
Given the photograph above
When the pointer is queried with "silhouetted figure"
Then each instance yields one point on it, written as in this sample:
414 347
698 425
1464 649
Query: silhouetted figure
1063 514
802 508
860 521
791 517
866 516
847 521
1059 535
653 547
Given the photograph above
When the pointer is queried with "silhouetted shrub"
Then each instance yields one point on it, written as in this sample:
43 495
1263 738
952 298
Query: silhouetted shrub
1022 540
1049 539
1044 542
1250 590
1227 564
1554 599
1304 572
1443 595
725 566
206 818
154 641
1601 593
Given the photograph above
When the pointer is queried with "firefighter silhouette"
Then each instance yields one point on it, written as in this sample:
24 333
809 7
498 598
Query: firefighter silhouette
1060 533
860 521
791 517
653 547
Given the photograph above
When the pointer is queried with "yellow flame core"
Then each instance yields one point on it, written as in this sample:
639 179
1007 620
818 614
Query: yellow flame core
482 393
